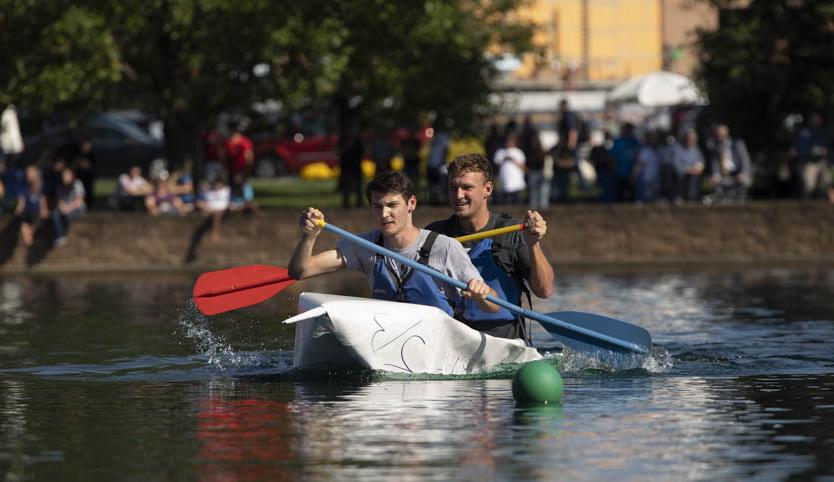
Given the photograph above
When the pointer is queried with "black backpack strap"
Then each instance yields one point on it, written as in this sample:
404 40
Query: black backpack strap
425 252
502 220
425 249
378 241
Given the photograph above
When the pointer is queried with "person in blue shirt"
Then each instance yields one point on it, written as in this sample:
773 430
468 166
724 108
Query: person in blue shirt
624 150
242 196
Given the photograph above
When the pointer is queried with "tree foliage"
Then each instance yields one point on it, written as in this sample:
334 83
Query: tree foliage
766 61
370 60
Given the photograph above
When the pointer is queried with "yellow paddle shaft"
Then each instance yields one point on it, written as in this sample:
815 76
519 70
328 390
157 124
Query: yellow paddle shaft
471 237
490 233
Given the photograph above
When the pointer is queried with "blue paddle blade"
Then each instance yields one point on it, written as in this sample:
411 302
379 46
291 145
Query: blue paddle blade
610 327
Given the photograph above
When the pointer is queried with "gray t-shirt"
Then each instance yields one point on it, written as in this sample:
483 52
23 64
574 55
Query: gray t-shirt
447 256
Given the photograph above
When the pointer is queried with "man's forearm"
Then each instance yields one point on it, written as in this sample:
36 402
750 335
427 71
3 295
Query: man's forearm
301 256
488 305
541 273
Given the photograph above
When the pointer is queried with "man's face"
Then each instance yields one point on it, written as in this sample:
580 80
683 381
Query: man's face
392 212
468 193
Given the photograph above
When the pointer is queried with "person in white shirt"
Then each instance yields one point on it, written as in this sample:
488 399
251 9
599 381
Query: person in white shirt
131 190
214 202
11 142
510 161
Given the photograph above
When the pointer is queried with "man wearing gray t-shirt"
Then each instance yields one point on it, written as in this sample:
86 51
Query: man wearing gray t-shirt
393 202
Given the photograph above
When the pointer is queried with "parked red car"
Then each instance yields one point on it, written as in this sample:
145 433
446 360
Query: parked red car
288 144
292 142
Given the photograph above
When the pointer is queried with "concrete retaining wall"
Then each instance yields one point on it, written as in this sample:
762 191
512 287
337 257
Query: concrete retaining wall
581 235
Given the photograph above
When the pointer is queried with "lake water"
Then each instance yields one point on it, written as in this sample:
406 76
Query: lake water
119 378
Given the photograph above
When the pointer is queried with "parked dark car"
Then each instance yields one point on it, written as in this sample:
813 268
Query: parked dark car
118 142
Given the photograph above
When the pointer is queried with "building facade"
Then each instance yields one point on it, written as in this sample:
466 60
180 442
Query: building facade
606 41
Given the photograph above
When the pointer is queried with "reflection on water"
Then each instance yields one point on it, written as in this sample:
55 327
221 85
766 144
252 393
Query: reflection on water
242 438
113 379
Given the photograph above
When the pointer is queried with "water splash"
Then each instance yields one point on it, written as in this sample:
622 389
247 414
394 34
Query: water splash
218 352
658 361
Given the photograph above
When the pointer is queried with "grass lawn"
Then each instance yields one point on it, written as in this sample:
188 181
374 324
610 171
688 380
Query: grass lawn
297 193
292 192
284 192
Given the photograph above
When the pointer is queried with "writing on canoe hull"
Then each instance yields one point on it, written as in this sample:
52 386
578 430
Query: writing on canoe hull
396 340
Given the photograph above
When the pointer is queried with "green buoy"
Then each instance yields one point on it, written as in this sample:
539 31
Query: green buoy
537 382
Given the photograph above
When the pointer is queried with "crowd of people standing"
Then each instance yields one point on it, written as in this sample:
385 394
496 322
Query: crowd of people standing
624 162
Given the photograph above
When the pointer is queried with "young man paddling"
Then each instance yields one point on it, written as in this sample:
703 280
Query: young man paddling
508 263
393 202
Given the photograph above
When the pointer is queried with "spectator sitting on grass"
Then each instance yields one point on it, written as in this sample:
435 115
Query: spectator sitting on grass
164 199
241 194
70 204
213 202
31 205
131 190
183 186
13 182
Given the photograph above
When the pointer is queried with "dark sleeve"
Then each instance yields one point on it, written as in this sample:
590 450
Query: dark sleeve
572 122
513 253
744 157
443 226
522 252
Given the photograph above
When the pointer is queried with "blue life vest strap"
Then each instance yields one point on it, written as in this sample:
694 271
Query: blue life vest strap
425 253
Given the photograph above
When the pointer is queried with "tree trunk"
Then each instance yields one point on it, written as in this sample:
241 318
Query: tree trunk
181 144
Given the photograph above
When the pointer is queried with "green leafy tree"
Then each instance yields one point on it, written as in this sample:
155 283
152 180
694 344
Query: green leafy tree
766 61
187 60
56 57
398 59
183 59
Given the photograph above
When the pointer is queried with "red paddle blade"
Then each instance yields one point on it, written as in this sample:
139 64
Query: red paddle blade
233 288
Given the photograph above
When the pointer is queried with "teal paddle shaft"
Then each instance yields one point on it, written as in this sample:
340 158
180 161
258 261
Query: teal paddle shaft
533 315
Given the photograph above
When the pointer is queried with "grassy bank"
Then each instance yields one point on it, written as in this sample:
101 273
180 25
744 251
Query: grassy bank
295 193
285 192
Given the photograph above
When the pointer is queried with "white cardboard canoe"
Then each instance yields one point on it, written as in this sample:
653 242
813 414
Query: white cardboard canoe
346 332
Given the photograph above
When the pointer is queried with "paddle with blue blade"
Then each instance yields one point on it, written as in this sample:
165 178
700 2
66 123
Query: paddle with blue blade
234 288
579 331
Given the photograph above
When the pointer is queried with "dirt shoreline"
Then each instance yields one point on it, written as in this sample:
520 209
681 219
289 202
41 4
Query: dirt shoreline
580 237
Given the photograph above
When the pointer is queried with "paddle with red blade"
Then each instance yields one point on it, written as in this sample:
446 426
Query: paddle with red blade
233 288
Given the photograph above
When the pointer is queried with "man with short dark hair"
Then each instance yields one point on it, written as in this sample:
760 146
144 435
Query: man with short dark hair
393 202
509 263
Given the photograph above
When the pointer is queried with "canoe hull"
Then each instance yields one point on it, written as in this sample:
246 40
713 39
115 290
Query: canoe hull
347 332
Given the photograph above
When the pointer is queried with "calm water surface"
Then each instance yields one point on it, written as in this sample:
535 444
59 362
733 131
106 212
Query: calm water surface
119 378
